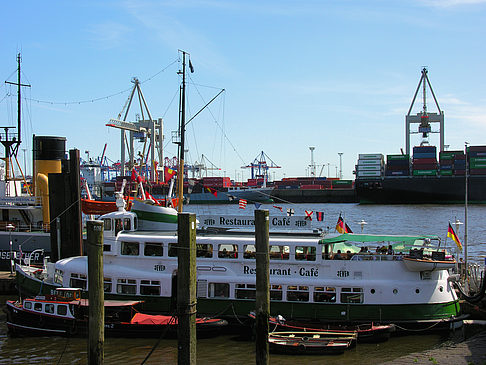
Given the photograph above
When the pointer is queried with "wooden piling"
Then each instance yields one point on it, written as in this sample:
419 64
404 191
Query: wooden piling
96 324
262 285
186 289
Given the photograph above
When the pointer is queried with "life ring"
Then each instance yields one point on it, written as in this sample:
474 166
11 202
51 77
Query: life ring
305 339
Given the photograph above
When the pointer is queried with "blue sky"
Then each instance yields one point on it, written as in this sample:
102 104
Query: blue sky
337 75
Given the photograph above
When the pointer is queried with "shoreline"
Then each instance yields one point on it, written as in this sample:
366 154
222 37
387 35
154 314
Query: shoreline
468 352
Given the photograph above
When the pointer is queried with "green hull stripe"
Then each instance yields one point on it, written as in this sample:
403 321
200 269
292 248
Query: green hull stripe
155 217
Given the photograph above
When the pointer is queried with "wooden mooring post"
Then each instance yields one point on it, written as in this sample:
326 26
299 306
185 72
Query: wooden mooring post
262 285
96 324
186 289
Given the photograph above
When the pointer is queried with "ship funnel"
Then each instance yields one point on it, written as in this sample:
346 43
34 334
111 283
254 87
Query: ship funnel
48 153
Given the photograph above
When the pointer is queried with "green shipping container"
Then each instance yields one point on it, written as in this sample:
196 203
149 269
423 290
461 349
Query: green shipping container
424 172
477 165
398 157
446 172
342 182
477 159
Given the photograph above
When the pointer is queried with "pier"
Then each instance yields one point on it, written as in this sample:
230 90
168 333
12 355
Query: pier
7 283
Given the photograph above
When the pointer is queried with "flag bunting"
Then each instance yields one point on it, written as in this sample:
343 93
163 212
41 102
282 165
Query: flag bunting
242 203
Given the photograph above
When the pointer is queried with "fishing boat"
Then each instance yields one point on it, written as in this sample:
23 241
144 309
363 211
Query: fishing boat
66 313
311 343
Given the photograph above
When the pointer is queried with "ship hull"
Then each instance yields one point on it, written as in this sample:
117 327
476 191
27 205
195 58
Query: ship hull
421 190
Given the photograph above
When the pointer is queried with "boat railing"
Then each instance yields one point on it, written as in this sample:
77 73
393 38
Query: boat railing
22 227
376 257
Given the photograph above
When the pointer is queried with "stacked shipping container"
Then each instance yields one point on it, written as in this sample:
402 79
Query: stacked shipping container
476 156
424 161
397 165
452 163
370 165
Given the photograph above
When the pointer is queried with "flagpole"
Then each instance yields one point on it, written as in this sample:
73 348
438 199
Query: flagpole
465 210
182 126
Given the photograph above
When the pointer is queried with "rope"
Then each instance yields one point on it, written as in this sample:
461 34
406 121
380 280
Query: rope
100 98
163 333
421 329
64 350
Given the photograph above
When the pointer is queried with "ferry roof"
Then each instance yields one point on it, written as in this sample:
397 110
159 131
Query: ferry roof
352 237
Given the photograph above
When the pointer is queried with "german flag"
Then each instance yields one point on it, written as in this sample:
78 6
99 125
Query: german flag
342 227
212 191
452 234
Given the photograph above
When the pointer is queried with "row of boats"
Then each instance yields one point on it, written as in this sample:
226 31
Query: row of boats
65 313
366 293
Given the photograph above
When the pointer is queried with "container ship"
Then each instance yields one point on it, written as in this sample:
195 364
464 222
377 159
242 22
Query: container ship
421 177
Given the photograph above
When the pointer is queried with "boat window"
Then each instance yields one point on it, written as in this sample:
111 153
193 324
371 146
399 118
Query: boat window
150 287
118 225
173 249
204 250
352 295
218 290
245 291
62 309
49 308
297 293
280 252
106 248
202 289
126 286
228 251
276 292
135 223
324 294
107 285
249 252
129 248
306 253
38 307
153 249
27 305
107 224
78 281
58 276
126 224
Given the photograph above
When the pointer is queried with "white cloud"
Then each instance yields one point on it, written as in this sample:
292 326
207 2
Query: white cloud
109 34
451 3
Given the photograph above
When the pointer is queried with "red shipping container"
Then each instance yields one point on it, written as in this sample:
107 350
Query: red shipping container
424 161
311 187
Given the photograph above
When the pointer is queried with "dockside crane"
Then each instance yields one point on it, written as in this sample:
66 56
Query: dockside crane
424 118
259 167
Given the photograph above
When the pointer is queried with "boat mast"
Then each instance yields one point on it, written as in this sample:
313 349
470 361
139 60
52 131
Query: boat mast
182 130
15 142
465 210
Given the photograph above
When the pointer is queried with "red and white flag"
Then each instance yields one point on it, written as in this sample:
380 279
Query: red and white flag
242 203
308 214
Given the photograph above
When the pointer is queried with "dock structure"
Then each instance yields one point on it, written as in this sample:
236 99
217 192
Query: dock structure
7 283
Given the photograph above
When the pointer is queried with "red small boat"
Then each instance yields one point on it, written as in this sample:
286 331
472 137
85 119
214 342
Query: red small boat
99 207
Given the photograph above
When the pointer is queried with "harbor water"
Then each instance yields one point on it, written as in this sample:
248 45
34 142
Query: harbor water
389 219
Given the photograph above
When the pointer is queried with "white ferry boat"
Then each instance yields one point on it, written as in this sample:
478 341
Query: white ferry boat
334 279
